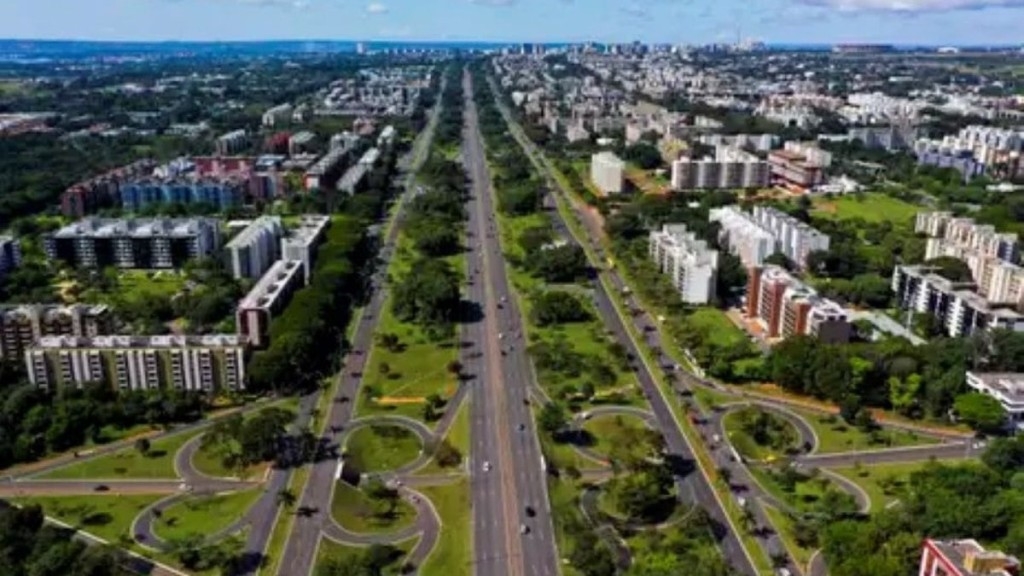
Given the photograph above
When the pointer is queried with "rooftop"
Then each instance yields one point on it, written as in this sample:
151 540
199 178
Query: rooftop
135 227
265 291
167 341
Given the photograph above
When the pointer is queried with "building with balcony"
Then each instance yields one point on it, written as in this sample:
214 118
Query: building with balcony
606 172
798 167
102 191
958 308
690 264
208 363
21 326
785 307
277 115
964 558
10 254
267 299
730 168
795 239
743 236
255 248
301 142
147 243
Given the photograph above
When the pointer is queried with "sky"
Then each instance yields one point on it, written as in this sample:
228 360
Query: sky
931 22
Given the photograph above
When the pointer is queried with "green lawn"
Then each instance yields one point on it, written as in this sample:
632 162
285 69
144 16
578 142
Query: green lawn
381 447
871 207
718 327
835 435
608 432
205 515
452 556
784 526
331 552
805 494
565 512
884 483
128 463
355 511
397 381
458 437
708 398
782 433
108 516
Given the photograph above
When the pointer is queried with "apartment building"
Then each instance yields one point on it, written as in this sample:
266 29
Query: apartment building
1007 388
386 136
21 326
742 235
195 363
795 239
354 178
102 191
759 142
148 243
10 254
222 182
277 115
796 169
964 558
690 264
301 242
266 299
255 248
301 142
956 305
730 168
326 171
785 307
606 172
232 143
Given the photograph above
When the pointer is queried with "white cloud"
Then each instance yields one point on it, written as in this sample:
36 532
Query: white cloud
914 5
376 8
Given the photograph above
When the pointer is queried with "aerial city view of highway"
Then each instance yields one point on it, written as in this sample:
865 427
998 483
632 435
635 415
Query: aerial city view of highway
677 302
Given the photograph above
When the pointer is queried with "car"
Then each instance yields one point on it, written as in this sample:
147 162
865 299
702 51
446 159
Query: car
102 488
487 466
530 512
501 335
524 529
522 426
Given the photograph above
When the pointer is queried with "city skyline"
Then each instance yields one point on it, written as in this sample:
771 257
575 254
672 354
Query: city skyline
906 22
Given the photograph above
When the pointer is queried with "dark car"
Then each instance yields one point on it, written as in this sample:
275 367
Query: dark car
530 512
102 488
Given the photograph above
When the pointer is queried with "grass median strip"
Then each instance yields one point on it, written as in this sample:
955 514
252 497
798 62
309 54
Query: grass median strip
204 515
452 555
128 463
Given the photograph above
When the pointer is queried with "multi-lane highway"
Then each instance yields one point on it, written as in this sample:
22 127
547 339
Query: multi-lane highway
300 552
512 527
694 486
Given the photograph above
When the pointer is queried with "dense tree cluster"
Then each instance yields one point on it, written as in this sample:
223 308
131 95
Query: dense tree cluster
557 307
433 217
917 381
375 560
428 295
34 423
30 547
239 442
643 154
985 502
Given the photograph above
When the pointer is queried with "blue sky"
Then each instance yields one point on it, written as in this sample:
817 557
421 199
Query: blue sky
676 21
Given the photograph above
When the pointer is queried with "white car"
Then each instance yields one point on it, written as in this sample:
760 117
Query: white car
487 466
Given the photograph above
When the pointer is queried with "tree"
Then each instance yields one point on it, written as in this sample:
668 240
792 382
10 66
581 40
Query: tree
557 264
446 455
558 307
454 368
286 498
142 446
384 368
981 412
643 155
428 295
552 418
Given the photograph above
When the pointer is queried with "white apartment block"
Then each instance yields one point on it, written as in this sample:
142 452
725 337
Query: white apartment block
812 154
759 142
730 168
745 239
301 242
959 309
794 239
279 114
194 363
606 172
231 143
690 264
1007 388
255 248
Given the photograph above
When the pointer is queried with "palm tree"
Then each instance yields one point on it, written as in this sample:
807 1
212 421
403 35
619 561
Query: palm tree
286 498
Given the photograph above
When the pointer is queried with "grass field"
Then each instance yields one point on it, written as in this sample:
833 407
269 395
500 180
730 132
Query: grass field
381 447
747 445
108 516
354 511
333 553
204 515
128 462
453 554
708 398
870 207
458 437
884 483
784 525
714 323
805 493
611 431
835 435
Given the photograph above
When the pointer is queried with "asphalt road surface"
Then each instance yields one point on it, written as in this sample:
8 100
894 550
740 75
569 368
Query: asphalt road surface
506 465
300 552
